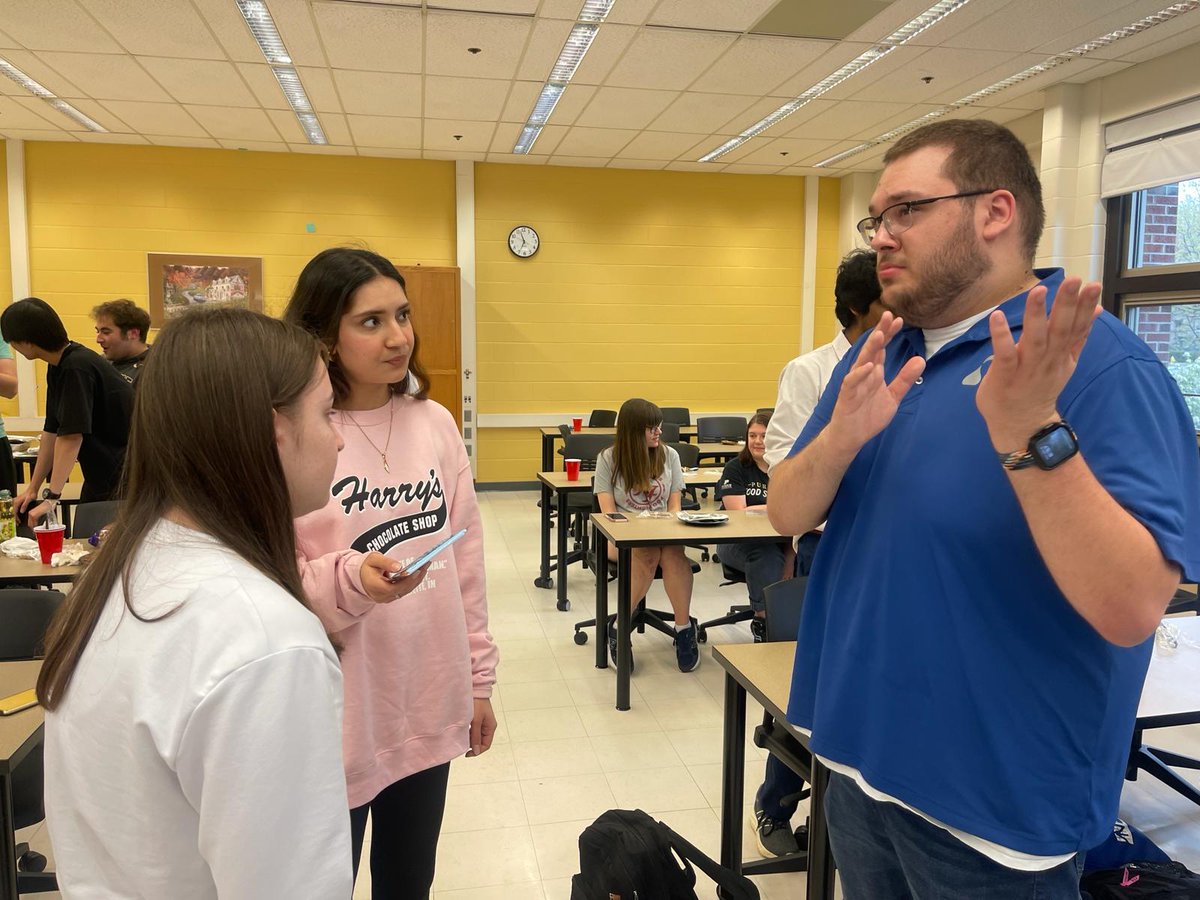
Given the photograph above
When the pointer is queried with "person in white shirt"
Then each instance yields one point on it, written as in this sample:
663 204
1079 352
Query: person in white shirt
193 724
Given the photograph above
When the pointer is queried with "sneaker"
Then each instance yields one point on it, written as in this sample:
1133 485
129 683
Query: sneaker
758 629
773 838
612 648
687 650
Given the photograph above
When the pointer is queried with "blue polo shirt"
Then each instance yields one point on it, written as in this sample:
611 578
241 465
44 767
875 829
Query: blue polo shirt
936 655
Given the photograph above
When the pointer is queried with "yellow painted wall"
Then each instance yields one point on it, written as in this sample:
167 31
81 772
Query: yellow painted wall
7 407
680 287
825 322
95 211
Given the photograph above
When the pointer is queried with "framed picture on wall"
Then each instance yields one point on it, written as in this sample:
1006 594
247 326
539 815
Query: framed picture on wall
181 281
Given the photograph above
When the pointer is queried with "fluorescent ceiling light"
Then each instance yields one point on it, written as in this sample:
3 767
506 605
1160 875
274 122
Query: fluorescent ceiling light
43 93
872 55
587 26
262 28
1147 22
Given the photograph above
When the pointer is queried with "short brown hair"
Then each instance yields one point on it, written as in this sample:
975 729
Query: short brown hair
984 156
126 315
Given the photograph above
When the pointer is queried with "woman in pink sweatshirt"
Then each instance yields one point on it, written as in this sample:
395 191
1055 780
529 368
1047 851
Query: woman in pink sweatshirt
418 661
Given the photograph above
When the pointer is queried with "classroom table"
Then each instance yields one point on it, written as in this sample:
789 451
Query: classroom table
20 734
765 672
550 435
556 484
32 571
743 526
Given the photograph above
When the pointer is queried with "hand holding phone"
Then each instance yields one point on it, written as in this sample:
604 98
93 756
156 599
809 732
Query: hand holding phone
424 558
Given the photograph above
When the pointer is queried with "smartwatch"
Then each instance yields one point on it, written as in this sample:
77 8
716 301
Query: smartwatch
48 494
1052 446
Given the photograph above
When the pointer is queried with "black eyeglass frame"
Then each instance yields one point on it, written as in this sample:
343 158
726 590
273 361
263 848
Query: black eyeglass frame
872 223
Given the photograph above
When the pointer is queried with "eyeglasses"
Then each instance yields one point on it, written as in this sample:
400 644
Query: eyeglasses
655 429
898 217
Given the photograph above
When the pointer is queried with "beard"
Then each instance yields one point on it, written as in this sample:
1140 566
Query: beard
944 277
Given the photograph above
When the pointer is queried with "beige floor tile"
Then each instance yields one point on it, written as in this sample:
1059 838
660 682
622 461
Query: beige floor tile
675 715
537 670
476 807
697 746
495 765
544 724
607 719
566 798
476 859
671 788
530 891
557 888
551 759
537 695
557 847
593 692
623 752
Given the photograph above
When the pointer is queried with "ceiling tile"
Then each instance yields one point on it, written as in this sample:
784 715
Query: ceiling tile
172 29
373 93
464 98
983 76
453 155
299 34
824 66
324 149
97 112
660 145
898 76
682 166
230 28
335 128
520 101
371 38
624 163
711 15
544 46
894 15
391 152
41 68
624 108
526 159
831 120
626 12
176 141
386 131
56 25
501 39
200 81
155 118
606 49
795 148
99 137
234 123
756 112
594 162
701 113
667 60
475 136
318 84
506 136
1149 44
6 41
831 150
264 86
255 146
14 113
1103 21
759 65
287 125
605 142
507 7
744 169
571 103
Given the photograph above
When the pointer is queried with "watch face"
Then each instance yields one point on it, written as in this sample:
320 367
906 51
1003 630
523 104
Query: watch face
1054 447
523 241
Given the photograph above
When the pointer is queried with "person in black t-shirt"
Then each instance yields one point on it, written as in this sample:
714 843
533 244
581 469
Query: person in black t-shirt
121 329
743 484
88 408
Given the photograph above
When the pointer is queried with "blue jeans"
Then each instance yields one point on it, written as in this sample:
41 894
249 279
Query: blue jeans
885 852
780 792
762 564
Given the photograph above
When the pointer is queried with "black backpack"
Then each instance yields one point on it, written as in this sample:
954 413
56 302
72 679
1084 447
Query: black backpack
626 855
1143 881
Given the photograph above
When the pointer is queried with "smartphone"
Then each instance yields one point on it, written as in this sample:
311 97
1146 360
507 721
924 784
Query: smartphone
424 558
18 702
615 517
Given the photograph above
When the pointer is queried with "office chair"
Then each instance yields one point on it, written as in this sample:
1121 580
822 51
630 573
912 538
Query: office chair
676 415
24 616
720 428
669 432
689 458
738 612
89 518
602 418
585 448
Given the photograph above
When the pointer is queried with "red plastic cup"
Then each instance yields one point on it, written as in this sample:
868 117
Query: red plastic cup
572 469
577 423
50 540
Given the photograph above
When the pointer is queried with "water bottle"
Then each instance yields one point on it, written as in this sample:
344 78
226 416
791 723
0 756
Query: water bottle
8 518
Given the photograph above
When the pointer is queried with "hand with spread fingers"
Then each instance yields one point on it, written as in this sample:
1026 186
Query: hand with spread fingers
1019 393
866 402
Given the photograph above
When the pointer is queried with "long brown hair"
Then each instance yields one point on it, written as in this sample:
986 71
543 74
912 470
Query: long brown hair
322 296
202 435
746 458
634 464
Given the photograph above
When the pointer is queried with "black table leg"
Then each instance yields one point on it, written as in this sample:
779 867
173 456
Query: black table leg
8 847
624 589
563 522
733 774
543 580
820 855
601 544
548 452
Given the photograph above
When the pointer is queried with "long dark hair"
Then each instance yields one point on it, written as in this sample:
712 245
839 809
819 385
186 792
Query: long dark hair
746 458
322 296
202 433
633 463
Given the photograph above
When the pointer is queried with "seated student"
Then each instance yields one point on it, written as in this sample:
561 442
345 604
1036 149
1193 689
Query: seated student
121 330
639 473
743 484
193 724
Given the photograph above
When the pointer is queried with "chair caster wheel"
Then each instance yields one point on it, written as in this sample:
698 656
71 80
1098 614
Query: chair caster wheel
702 635
564 605
31 861
546 583
581 638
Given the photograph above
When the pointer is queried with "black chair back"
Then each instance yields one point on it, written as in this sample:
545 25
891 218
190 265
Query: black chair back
602 418
670 432
689 454
785 600
585 448
88 518
24 615
720 428
677 415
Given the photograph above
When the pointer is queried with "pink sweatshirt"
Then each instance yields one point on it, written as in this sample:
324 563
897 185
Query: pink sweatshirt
411 667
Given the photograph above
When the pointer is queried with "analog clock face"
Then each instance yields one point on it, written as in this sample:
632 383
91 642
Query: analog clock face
523 241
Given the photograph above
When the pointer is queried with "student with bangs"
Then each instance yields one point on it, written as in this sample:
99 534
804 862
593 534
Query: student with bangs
639 474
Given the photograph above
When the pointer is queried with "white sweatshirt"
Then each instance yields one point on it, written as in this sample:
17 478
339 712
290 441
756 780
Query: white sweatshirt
199 756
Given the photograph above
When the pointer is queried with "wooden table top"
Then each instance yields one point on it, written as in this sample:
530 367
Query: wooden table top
555 431
743 525
32 570
16 729
557 481
765 670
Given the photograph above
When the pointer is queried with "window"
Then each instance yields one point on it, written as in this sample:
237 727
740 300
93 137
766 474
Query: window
1165 226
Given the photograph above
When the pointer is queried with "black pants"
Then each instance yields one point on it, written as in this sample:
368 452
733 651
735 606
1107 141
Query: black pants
406 819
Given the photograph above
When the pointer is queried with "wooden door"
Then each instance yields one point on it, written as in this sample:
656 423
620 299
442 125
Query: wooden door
434 294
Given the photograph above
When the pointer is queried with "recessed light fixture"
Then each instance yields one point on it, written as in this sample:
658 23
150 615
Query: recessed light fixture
1147 22
266 35
49 96
872 55
591 16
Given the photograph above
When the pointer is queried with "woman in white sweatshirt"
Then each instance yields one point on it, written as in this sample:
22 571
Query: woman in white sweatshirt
418 659
193 745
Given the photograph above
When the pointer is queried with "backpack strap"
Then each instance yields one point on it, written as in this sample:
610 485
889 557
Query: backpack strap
733 886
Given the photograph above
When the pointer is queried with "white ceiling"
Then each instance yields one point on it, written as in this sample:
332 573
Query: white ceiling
664 82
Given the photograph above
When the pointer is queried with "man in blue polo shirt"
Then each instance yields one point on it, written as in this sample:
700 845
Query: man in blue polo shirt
979 616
